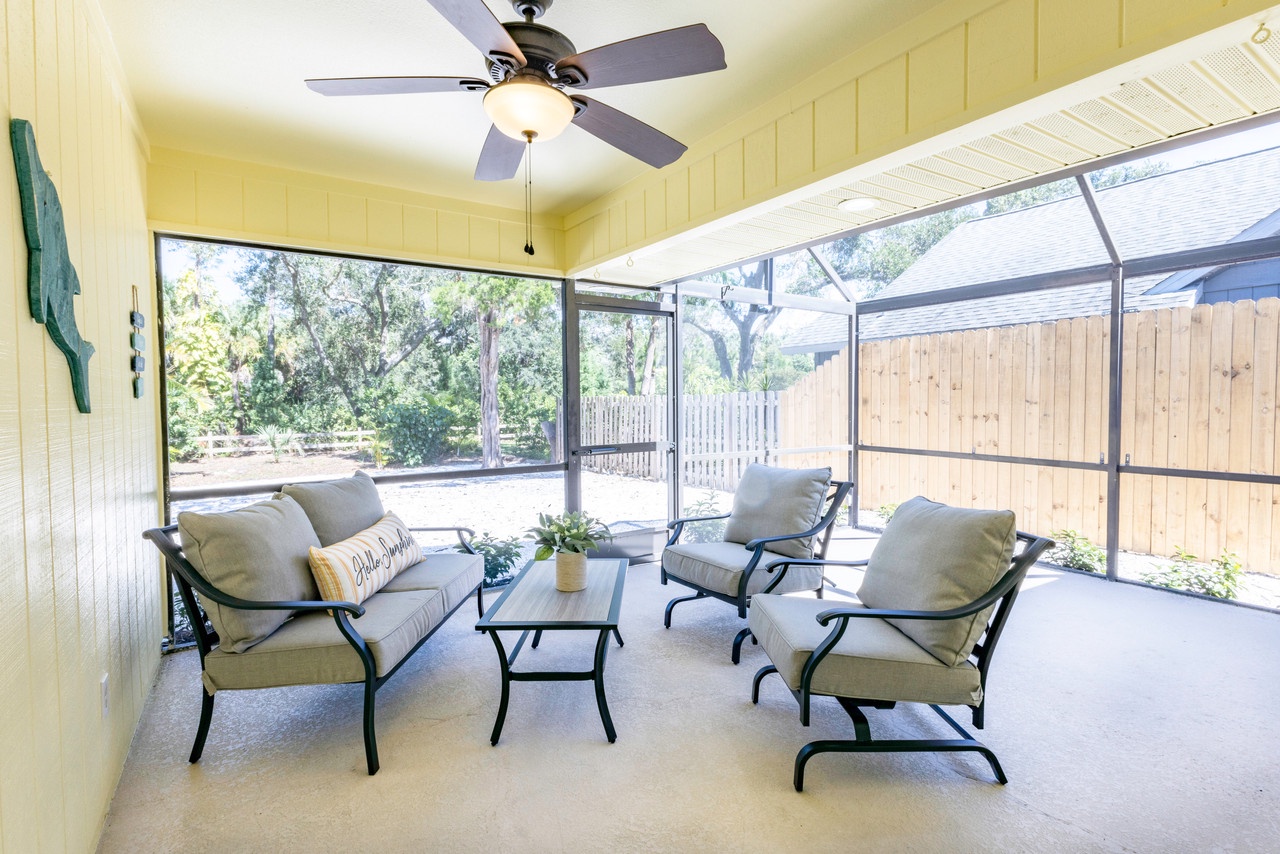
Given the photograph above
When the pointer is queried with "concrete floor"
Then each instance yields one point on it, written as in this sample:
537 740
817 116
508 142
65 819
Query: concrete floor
1127 719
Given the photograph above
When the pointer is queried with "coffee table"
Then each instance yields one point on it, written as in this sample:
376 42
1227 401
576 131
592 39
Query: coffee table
531 603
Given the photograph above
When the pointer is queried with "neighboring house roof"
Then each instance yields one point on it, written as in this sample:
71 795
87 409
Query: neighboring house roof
1213 203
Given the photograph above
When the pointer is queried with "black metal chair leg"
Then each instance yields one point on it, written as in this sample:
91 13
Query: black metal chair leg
480 600
666 618
896 746
755 683
737 644
206 715
370 739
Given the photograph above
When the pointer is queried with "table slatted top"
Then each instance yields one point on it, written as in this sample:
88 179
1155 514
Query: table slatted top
532 601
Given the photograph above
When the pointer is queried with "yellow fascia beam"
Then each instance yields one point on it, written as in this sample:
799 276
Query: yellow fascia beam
964 69
206 196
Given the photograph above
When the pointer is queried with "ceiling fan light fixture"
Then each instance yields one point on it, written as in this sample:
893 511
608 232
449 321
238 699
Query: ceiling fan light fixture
526 105
858 204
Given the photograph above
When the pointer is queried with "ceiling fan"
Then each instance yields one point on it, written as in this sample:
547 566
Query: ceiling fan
530 68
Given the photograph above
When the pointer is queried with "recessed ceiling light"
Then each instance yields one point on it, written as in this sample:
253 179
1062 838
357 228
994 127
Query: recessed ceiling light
858 204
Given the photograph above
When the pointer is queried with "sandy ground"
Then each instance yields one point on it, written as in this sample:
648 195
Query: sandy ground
506 506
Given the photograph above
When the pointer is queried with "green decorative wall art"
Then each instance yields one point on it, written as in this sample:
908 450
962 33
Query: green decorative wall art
51 279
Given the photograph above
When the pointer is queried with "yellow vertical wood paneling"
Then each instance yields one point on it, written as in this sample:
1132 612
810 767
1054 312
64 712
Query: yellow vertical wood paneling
635 218
702 187
728 175
655 209
81 487
600 233
171 193
934 89
483 240
386 224
348 219
1145 18
453 234
882 105
420 233
617 226
1075 31
835 124
266 207
795 144
219 200
677 198
308 211
1001 51
760 161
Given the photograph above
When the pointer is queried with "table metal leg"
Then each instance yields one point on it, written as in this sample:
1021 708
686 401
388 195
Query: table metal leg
506 689
619 637
602 648
537 636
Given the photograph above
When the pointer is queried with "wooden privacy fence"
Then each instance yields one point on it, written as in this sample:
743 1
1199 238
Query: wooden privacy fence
1198 391
720 435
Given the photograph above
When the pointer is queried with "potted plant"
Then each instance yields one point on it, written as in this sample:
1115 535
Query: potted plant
568 537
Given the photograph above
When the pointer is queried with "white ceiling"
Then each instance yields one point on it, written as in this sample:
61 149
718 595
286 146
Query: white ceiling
226 78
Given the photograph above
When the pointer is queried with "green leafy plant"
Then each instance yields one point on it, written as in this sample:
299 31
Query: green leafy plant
379 449
281 441
1219 578
570 532
1075 550
500 556
704 532
418 432
886 510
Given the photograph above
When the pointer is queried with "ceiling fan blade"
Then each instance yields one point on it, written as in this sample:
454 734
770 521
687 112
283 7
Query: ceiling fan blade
627 133
394 85
500 158
657 56
473 19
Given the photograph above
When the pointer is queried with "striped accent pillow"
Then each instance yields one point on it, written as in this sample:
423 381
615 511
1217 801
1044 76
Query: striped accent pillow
356 568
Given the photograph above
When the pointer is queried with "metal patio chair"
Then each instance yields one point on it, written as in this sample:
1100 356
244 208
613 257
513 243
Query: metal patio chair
933 602
781 521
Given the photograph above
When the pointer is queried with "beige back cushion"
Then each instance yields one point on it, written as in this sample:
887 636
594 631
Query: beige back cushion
356 568
257 552
771 501
338 509
932 557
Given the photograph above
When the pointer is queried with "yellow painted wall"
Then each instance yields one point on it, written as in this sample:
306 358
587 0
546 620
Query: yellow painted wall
215 197
962 62
79 588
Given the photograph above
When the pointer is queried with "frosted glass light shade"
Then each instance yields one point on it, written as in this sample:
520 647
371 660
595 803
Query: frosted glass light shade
526 104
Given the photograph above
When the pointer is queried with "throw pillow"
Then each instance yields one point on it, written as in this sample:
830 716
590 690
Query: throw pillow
338 509
932 557
771 501
257 552
356 568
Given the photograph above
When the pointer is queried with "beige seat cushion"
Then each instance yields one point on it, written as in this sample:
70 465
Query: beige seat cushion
872 661
338 509
719 566
454 574
257 552
932 557
772 501
310 650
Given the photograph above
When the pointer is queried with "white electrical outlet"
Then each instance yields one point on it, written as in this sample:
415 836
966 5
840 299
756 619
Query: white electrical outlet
106 694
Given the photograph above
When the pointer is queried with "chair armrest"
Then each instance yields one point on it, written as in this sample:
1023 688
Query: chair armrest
1001 587
836 499
674 522
812 561
677 525
178 563
464 535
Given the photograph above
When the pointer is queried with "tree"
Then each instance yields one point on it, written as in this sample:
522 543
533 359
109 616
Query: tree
494 302
361 319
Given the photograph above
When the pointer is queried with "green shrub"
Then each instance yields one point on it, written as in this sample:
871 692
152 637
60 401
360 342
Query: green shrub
704 532
1073 549
281 441
500 556
418 432
1219 578
887 510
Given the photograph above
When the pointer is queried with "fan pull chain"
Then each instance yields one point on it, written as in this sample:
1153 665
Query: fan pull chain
528 193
